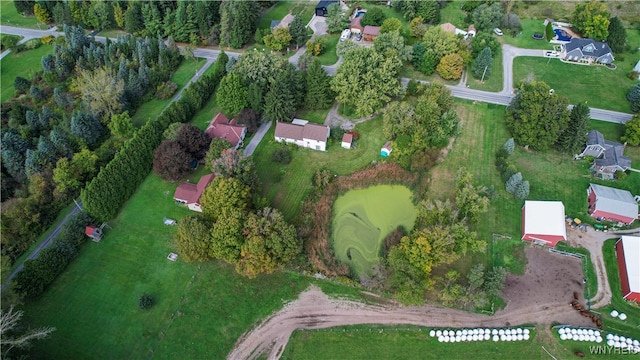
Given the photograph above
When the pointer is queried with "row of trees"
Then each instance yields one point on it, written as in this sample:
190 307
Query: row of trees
514 184
116 182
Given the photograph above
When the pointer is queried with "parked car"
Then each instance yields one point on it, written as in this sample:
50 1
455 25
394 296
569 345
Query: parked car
346 34
359 37
497 31
549 53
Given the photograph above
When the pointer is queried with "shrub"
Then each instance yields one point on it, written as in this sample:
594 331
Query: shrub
7 41
620 175
145 302
47 39
509 146
281 156
32 44
21 84
166 90
512 184
522 191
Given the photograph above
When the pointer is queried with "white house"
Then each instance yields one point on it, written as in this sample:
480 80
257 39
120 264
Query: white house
303 134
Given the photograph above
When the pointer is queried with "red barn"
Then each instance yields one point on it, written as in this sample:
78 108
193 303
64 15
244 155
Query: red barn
628 255
611 204
543 222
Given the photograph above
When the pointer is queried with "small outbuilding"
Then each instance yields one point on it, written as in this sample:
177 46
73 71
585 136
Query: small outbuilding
543 222
347 139
628 257
607 203
190 194
370 32
94 232
471 31
386 149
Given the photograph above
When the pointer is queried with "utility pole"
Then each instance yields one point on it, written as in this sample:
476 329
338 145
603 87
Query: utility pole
484 72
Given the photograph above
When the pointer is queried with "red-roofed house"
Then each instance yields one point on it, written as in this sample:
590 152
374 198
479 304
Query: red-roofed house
189 194
221 128
347 139
628 256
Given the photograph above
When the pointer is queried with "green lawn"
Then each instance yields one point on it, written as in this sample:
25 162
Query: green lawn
377 342
285 186
282 8
452 13
314 116
329 56
112 33
151 109
9 16
631 326
409 72
24 64
492 82
599 86
524 39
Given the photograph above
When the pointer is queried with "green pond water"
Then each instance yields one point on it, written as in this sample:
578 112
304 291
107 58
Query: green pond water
363 218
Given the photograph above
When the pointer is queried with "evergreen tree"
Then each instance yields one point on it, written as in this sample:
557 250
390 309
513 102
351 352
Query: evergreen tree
522 190
86 127
231 95
254 97
483 64
24 7
634 98
575 136
513 183
617 35
319 94
237 22
133 18
280 101
298 31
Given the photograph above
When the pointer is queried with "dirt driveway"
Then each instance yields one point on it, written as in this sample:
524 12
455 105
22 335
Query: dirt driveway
540 296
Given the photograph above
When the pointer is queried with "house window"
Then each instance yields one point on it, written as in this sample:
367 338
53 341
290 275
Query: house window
317 147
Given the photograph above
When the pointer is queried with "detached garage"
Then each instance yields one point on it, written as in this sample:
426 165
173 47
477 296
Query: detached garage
543 222
628 255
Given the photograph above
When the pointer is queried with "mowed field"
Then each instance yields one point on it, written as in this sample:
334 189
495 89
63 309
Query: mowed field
371 342
286 186
24 64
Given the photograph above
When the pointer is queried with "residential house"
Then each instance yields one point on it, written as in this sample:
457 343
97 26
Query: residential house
355 26
449 27
609 156
321 8
347 139
303 134
586 51
471 31
190 194
611 204
221 128
370 32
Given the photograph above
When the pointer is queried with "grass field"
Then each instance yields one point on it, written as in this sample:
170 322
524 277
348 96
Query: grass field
492 82
631 326
524 40
611 86
24 64
285 186
452 13
329 56
282 8
152 108
9 16
375 342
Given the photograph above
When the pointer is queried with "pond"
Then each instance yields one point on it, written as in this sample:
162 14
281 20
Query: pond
363 219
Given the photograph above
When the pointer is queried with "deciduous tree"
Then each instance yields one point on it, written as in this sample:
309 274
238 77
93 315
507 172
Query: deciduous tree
417 27
224 194
486 17
101 90
171 161
632 131
450 67
194 238
278 39
249 118
215 150
391 24
336 19
591 19
367 80
227 235
440 42
373 17
10 325
194 141
391 43
537 117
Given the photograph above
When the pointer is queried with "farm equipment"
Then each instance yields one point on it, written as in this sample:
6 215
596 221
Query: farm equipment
601 227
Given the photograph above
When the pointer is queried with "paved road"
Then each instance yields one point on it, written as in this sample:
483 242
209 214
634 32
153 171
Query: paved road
262 130
45 244
502 98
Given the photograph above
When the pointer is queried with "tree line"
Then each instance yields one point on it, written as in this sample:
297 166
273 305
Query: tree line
116 182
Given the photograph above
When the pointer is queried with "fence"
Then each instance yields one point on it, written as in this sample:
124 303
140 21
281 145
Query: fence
584 271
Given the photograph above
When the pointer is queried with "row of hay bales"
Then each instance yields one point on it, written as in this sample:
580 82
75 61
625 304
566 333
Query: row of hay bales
481 334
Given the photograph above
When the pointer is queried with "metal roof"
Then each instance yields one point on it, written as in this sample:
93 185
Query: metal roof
544 218
631 248
615 201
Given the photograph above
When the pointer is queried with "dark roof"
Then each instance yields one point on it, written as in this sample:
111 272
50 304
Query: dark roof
274 23
347 138
325 3
299 132
595 137
599 48
371 30
613 155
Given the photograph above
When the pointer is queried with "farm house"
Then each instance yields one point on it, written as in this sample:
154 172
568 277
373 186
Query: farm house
628 255
543 222
611 204
190 194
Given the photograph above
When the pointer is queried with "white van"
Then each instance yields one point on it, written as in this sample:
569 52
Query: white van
346 34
